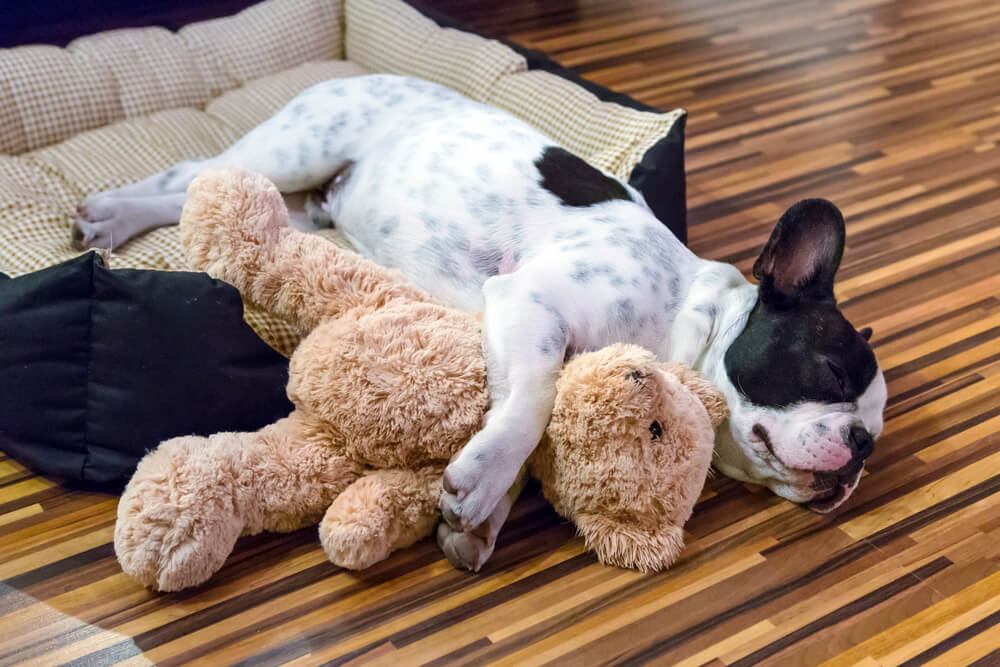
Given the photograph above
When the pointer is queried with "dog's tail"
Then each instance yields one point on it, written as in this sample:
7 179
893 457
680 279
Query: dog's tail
235 226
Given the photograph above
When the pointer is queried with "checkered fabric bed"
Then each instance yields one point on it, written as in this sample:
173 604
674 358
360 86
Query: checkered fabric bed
115 107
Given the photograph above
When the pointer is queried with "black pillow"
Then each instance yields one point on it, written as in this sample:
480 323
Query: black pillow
98 366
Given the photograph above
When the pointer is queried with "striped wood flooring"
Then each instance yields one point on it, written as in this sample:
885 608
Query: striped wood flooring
890 108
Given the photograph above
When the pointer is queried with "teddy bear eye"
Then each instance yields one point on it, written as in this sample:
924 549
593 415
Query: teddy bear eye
656 430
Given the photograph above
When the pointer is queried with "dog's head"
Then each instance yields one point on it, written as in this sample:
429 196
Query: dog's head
805 392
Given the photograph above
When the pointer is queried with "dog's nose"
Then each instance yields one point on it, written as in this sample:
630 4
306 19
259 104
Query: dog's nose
861 443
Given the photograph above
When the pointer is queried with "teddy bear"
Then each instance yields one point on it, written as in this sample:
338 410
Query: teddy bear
387 385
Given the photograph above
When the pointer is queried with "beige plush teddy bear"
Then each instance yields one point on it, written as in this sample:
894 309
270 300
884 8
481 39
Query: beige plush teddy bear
388 385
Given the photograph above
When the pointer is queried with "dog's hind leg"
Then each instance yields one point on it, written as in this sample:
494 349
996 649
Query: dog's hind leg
299 148
108 219
106 222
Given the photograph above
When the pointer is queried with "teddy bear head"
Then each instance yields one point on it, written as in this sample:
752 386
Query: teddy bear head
627 452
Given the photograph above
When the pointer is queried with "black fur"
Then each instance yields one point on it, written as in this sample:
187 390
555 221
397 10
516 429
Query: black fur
807 353
813 229
575 182
796 345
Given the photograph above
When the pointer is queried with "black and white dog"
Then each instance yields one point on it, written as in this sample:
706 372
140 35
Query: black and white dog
486 213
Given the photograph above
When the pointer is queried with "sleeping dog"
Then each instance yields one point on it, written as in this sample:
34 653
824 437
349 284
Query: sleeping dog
487 214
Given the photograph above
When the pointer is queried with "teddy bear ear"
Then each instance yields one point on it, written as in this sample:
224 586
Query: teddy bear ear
709 395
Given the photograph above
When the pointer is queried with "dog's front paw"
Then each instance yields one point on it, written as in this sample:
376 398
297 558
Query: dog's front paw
464 550
473 488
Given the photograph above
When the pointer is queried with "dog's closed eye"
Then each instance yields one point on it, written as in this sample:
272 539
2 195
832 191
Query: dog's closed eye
840 378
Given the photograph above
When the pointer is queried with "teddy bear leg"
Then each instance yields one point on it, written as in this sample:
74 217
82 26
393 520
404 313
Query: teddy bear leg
381 512
176 520
291 482
192 497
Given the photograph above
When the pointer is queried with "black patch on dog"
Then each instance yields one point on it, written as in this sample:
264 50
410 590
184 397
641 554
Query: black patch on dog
800 259
797 346
574 182
807 353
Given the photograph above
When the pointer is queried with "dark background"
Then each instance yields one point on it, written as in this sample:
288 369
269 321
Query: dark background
61 21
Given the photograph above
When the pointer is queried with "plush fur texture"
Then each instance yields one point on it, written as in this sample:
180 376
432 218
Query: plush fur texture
388 386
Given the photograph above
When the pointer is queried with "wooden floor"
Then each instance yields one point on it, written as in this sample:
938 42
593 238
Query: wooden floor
889 108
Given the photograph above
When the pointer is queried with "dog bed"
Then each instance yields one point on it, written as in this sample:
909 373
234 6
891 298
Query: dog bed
115 107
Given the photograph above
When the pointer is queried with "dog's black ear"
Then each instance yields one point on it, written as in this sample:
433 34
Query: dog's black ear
866 333
801 258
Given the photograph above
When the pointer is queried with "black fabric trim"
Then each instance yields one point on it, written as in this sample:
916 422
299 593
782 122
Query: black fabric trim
659 176
99 366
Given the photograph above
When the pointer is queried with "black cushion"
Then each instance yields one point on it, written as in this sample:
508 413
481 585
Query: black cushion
98 366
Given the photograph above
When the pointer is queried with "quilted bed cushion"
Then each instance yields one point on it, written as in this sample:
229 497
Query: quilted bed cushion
115 107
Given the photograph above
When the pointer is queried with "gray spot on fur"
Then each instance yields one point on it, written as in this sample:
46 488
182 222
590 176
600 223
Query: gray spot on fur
622 312
389 226
553 311
458 238
554 343
675 286
582 272
569 235
431 223
486 262
438 253
535 199
167 177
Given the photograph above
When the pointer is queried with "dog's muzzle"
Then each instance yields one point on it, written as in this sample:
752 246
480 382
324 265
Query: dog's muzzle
833 487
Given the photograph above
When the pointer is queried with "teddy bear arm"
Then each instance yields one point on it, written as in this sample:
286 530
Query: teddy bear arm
381 512
310 280
235 226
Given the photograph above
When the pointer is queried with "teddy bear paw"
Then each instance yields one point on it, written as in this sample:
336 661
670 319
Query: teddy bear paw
353 545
